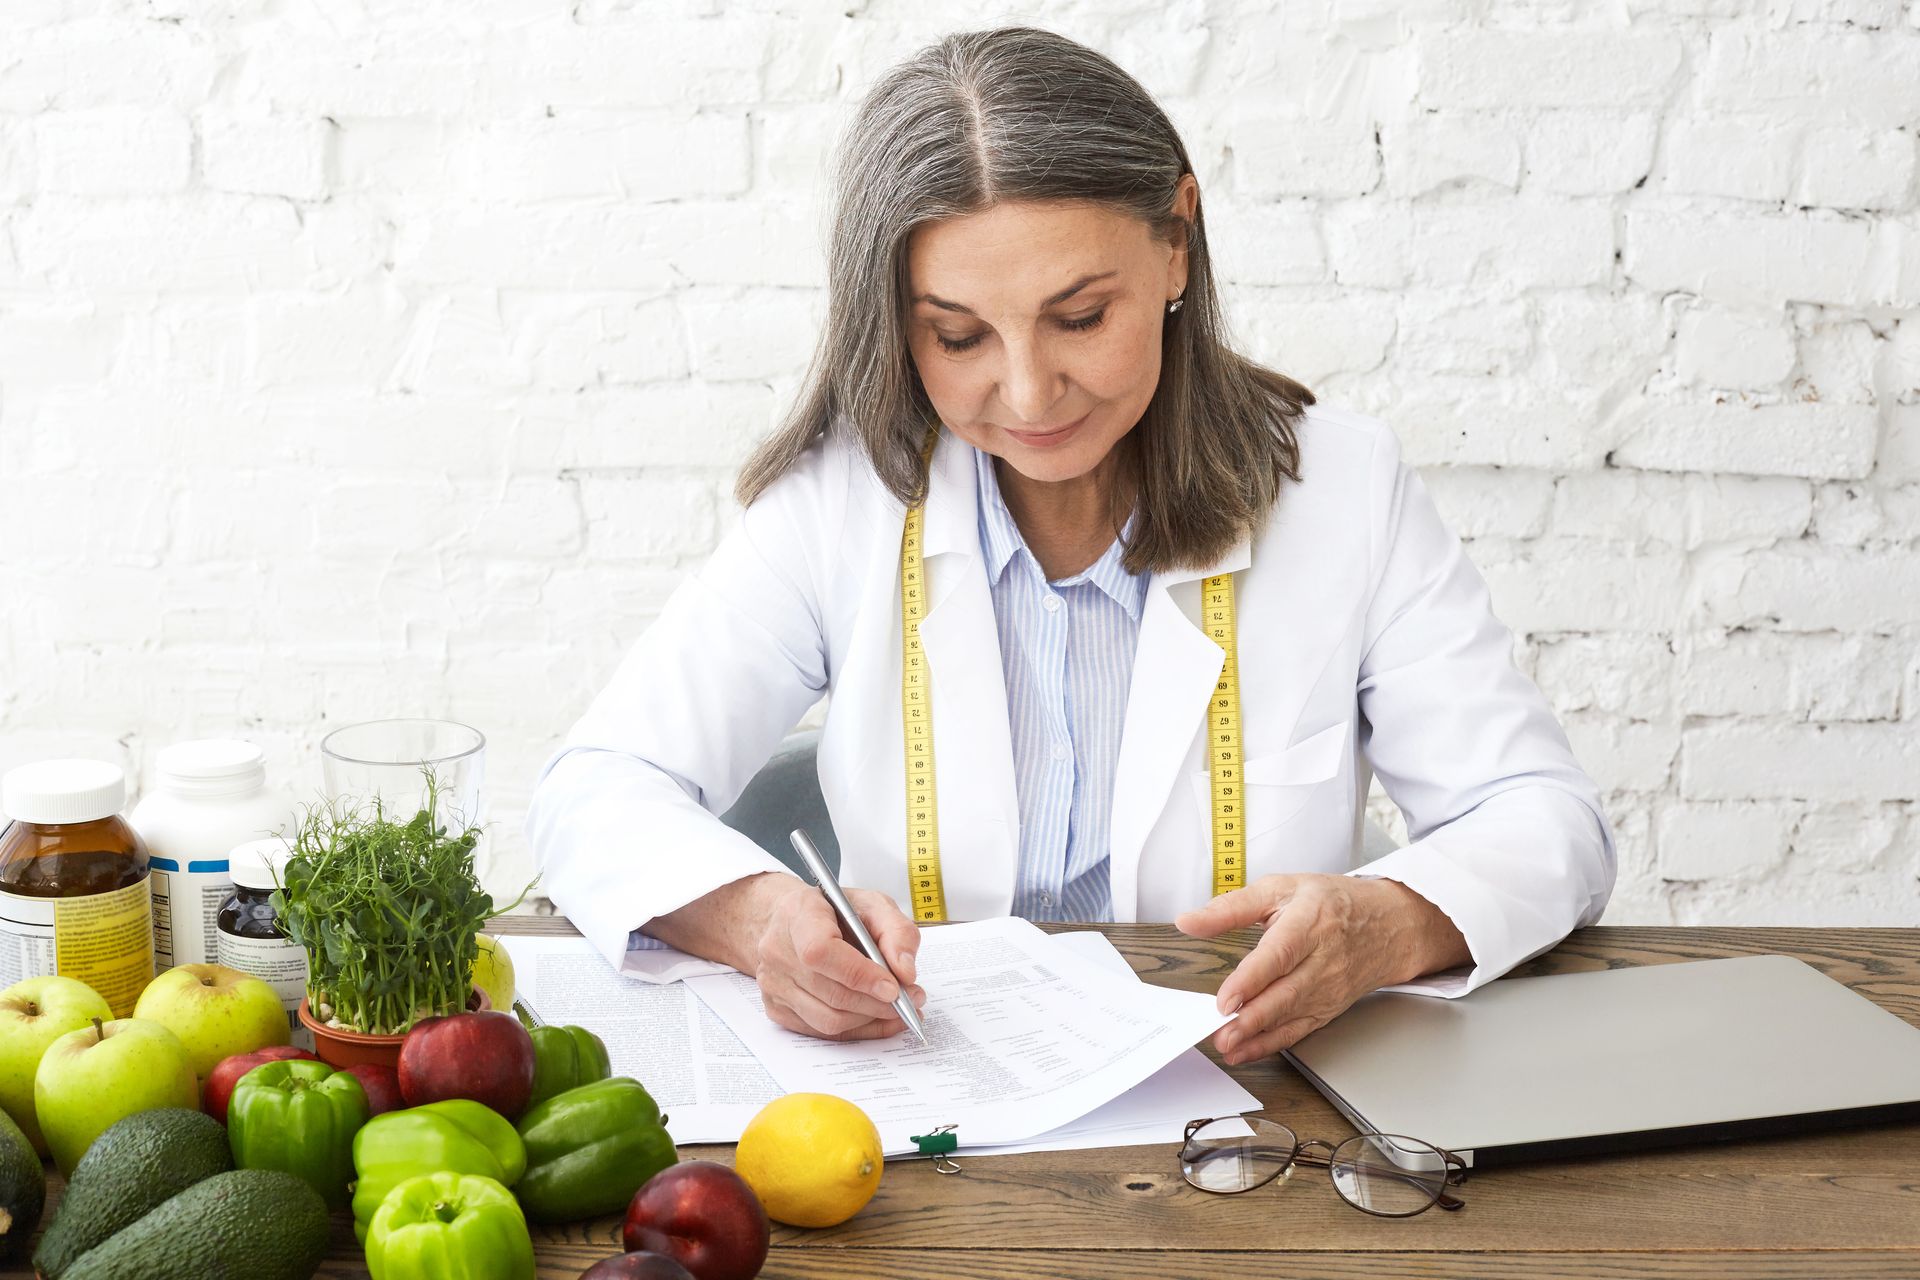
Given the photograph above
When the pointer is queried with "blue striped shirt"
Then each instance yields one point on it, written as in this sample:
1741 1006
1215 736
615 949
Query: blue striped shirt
1067 650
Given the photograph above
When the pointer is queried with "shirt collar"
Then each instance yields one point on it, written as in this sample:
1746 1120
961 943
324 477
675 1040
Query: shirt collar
1000 541
999 536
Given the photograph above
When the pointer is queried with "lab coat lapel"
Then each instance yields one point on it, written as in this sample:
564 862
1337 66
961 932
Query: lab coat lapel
1175 667
973 745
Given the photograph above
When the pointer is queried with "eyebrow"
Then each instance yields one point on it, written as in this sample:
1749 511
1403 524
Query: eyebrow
1057 298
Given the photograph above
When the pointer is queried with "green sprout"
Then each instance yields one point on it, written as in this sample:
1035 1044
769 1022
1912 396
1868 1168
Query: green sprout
388 913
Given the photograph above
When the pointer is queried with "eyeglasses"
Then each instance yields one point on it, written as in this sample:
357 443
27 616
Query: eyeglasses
1379 1173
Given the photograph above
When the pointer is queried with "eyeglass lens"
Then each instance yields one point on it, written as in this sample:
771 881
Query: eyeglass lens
1219 1157
1382 1173
1388 1174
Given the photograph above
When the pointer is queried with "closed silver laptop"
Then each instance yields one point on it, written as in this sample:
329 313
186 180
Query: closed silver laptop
1582 1063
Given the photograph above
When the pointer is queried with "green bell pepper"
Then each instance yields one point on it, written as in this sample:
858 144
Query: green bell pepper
449 1226
301 1118
565 1058
589 1149
454 1136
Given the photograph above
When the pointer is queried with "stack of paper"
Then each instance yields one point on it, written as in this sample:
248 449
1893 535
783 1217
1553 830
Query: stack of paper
1035 1043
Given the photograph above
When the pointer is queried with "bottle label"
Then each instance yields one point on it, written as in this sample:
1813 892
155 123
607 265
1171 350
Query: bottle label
103 939
282 965
186 908
26 938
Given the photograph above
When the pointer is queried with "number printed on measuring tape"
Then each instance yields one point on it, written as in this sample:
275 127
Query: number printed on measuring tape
1223 739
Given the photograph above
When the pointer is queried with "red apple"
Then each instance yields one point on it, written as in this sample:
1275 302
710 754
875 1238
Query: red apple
226 1073
487 1057
382 1087
704 1216
637 1266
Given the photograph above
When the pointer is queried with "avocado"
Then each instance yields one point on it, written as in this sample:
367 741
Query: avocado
23 1190
135 1166
256 1224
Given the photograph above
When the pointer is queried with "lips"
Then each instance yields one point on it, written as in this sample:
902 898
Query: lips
1053 435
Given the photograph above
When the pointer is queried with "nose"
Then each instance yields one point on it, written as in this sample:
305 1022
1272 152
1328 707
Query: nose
1032 386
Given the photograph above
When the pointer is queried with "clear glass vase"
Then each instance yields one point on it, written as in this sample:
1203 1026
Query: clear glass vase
390 760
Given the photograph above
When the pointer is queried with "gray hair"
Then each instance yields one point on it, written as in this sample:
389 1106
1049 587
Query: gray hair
1020 114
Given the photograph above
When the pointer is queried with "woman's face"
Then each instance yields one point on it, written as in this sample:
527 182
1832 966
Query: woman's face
1036 327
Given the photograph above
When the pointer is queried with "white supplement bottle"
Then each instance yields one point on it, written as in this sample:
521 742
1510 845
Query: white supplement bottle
212 795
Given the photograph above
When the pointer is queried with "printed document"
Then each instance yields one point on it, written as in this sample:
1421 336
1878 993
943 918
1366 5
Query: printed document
703 1077
1190 1087
1024 1036
710 1085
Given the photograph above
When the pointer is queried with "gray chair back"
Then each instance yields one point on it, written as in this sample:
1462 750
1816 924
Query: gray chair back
786 794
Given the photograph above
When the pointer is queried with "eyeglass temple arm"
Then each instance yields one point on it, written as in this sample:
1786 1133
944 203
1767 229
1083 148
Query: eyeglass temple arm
1456 1175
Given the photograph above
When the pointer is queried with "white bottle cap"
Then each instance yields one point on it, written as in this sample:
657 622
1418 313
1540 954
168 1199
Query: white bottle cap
56 791
259 864
212 767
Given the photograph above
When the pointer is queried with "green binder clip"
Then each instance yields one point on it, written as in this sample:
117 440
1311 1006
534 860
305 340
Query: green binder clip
940 1144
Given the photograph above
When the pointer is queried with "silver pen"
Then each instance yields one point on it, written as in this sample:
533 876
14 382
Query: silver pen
822 876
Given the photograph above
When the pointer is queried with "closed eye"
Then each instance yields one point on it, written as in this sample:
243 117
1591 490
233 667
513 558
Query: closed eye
1086 322
1080 324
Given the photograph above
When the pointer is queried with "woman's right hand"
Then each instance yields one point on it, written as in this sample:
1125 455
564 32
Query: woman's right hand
814 978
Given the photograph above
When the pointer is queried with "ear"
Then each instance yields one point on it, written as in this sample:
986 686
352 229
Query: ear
1186 205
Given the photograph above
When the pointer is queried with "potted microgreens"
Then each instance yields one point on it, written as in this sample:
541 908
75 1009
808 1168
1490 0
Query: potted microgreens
388 913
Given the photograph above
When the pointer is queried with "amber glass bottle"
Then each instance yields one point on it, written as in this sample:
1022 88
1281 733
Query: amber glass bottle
74 885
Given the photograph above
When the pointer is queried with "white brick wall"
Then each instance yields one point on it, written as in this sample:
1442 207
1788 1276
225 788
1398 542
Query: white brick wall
395 358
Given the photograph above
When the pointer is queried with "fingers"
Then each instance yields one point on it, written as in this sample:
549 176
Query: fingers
807 1012
799 1011
1272 1006
1306 971
1237 908
1272 1040
814 981
1285 945
823 953
898 937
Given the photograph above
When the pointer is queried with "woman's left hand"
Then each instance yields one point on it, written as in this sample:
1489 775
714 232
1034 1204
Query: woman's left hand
1329 940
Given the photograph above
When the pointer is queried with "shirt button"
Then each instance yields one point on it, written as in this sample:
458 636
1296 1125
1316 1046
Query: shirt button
1046 899
1052 604
1059 751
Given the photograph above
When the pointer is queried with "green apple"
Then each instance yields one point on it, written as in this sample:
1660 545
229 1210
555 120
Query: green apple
105 1072
35 1012
216 1011
493 972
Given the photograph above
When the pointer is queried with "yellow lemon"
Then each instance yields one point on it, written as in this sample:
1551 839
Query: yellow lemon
493 973
812 1158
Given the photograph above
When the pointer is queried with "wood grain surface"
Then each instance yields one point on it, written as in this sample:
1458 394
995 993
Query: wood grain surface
1842 1203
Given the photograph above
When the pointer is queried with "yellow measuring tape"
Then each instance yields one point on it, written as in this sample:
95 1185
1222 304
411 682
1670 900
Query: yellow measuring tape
1223 739
916 711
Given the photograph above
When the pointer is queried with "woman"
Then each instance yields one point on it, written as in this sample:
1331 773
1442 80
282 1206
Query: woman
1019 270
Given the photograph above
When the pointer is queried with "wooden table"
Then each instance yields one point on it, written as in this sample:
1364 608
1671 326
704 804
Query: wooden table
1846 1203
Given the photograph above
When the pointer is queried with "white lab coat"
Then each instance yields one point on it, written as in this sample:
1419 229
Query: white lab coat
1366 644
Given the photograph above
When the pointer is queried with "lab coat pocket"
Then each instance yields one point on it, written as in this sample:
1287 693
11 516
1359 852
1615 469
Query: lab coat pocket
1279 784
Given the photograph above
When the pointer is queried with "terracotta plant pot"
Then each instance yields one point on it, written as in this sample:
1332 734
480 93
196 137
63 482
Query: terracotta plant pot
339 1048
